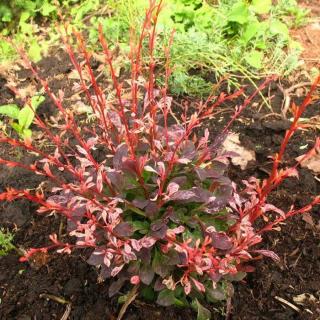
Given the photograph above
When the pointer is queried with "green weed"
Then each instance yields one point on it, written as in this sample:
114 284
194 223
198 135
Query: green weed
22 118
228 38
6 245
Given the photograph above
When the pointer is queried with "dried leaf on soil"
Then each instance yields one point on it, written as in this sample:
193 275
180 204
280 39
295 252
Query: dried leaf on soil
312 163
232 143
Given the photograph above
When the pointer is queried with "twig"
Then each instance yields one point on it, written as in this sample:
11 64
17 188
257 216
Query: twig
54 298
289 304
286 95
67 312
82 90
131 296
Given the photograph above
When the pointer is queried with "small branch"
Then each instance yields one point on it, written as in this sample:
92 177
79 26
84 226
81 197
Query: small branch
131 297
289 304
67 312
54 298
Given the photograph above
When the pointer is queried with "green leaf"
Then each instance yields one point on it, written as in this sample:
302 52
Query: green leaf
160 264
235 277
166 298
47 9
239 13
5 13
26 28
10 110
254 59
36 101
122 299
26 116
261 6
34 51
141 226
25 15
217 294
26 133
15 126
251 31
278 27
202 312
148 293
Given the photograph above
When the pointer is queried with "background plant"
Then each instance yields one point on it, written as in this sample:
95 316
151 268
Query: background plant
156 194
213 40
32 21
22 118
6 239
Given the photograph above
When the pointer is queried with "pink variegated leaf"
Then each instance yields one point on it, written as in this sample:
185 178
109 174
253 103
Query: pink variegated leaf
99 183
200 287
172 188
271 207
187 287
116 270
268 253
82 150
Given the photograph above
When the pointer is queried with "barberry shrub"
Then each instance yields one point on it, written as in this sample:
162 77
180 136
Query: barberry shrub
157 209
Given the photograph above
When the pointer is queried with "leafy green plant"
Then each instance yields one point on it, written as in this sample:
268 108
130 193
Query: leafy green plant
23 19
233 37
6 245
23 118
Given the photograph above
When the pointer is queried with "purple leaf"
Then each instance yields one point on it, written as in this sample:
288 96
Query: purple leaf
203 195
96 258
77 215
146 274
176 258
123 229
180 180
221 241
195 194
158 285
130 166
185 195
187 150
115 119
60 199
116 286
175 132
121 152
151 209
215 276
217 143
105 272
145 255
215 172
116 179
158 230
141 204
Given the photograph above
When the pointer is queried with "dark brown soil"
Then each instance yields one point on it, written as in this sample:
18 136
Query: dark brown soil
27 291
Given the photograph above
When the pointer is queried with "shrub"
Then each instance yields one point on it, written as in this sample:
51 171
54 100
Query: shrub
158 210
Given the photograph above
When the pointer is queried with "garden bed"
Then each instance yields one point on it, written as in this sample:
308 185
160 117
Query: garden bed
51 284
